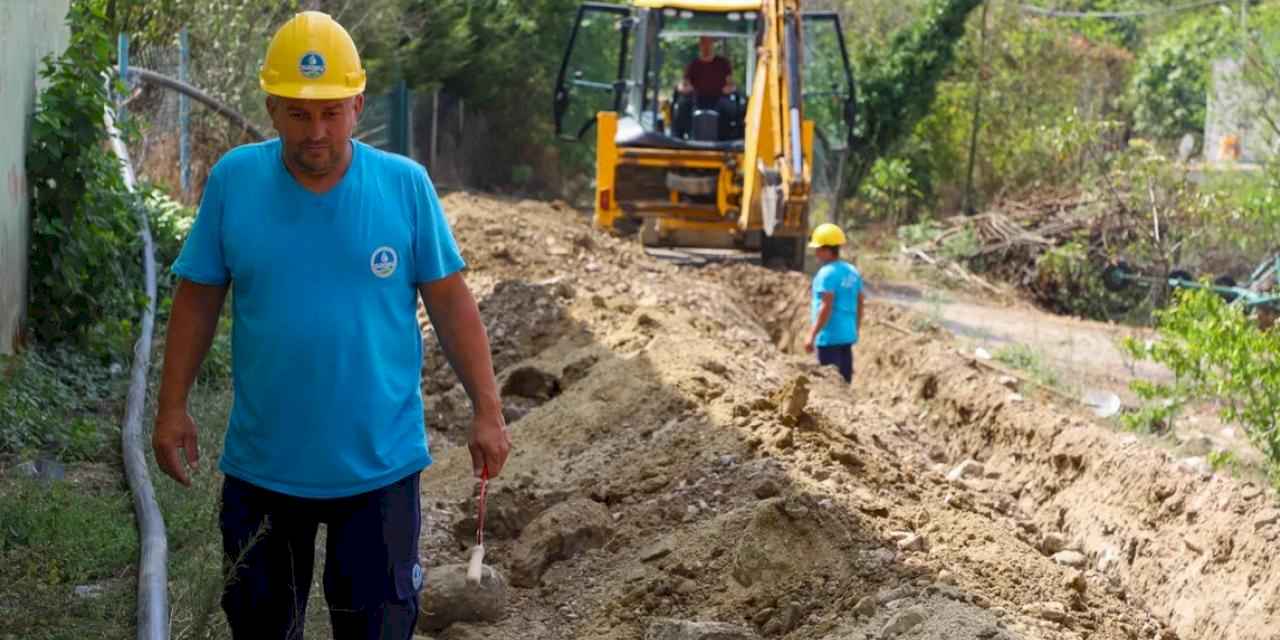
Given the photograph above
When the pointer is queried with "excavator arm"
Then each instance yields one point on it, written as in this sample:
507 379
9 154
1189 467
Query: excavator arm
777 161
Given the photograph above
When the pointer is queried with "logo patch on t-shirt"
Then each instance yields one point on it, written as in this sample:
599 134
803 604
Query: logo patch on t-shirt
383 262
311 65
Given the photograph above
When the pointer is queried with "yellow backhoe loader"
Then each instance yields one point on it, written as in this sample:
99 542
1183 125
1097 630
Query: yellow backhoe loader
733 170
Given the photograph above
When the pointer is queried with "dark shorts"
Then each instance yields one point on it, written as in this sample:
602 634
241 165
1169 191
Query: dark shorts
839 356
371 570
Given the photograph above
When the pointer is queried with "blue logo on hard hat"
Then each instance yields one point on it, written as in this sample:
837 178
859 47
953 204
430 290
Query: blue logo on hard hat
311 65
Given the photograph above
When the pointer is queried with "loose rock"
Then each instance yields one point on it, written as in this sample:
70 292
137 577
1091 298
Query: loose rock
1051 611
865 607
766 488
792 398
901 623
966 469
1052 543
447 598
1069 558
560 533
672 629
913 542
657 550
1266 518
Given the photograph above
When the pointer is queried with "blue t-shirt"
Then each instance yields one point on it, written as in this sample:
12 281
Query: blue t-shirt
326 350
843 280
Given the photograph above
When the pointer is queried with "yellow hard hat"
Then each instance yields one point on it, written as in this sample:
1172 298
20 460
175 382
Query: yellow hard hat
826 235
312 57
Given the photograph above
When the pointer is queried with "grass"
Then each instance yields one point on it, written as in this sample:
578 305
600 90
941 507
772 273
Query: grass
1029 361
82 533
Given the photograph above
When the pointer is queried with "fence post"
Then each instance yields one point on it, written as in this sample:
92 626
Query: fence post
400 118
435 125
184 113
122 46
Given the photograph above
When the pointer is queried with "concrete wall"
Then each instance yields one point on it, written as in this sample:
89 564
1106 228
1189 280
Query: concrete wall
29 29
1233 113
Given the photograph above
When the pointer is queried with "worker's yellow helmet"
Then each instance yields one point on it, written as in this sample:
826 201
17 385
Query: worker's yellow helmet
312 57
826 235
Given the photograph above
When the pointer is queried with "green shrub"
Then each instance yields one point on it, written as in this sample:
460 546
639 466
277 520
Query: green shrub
1217 352
61 403
85 284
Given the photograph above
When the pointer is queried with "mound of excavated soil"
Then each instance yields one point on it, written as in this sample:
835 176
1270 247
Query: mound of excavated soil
678 476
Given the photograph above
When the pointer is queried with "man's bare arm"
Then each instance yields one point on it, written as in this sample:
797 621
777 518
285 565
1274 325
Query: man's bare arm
458 325
824 315
861 305
193 321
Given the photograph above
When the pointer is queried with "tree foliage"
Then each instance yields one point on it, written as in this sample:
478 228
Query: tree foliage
1171 78
897 86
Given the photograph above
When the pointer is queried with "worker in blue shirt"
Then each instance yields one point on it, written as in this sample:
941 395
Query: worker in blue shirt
328 245
837 304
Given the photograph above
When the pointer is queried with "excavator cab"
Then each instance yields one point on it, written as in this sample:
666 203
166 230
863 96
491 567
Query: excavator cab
726 169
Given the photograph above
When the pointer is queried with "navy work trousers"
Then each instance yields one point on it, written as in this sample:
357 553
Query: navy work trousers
839 356
371 570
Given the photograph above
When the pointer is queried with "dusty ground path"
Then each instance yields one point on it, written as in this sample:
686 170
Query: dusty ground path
1080 355
679 474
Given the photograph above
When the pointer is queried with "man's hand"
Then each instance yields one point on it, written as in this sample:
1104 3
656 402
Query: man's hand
685 87
176 430
490 444
192 323
808 344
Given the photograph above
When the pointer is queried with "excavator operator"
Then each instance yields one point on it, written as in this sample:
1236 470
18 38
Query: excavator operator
707 84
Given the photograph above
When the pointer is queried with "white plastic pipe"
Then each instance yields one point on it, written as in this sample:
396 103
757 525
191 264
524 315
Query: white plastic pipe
153 575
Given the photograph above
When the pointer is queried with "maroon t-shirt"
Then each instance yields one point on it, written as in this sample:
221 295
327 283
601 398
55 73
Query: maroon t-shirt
708 78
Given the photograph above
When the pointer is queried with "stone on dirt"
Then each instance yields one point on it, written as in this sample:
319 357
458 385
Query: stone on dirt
1051 611
560 533
766 488
1268 517
1069 558
657 550
672 629
792 398
913 542
447 598
1052 543
902 622
966 469
866 606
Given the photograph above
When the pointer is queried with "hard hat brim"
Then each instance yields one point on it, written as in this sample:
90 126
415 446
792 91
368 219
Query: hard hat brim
311 91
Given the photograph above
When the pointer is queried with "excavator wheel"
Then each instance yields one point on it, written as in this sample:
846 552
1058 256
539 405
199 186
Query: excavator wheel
626 226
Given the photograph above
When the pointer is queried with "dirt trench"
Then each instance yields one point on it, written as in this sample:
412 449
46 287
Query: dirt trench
676 467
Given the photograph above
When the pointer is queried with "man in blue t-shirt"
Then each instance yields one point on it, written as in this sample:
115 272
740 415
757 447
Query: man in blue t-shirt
328 244
837 303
